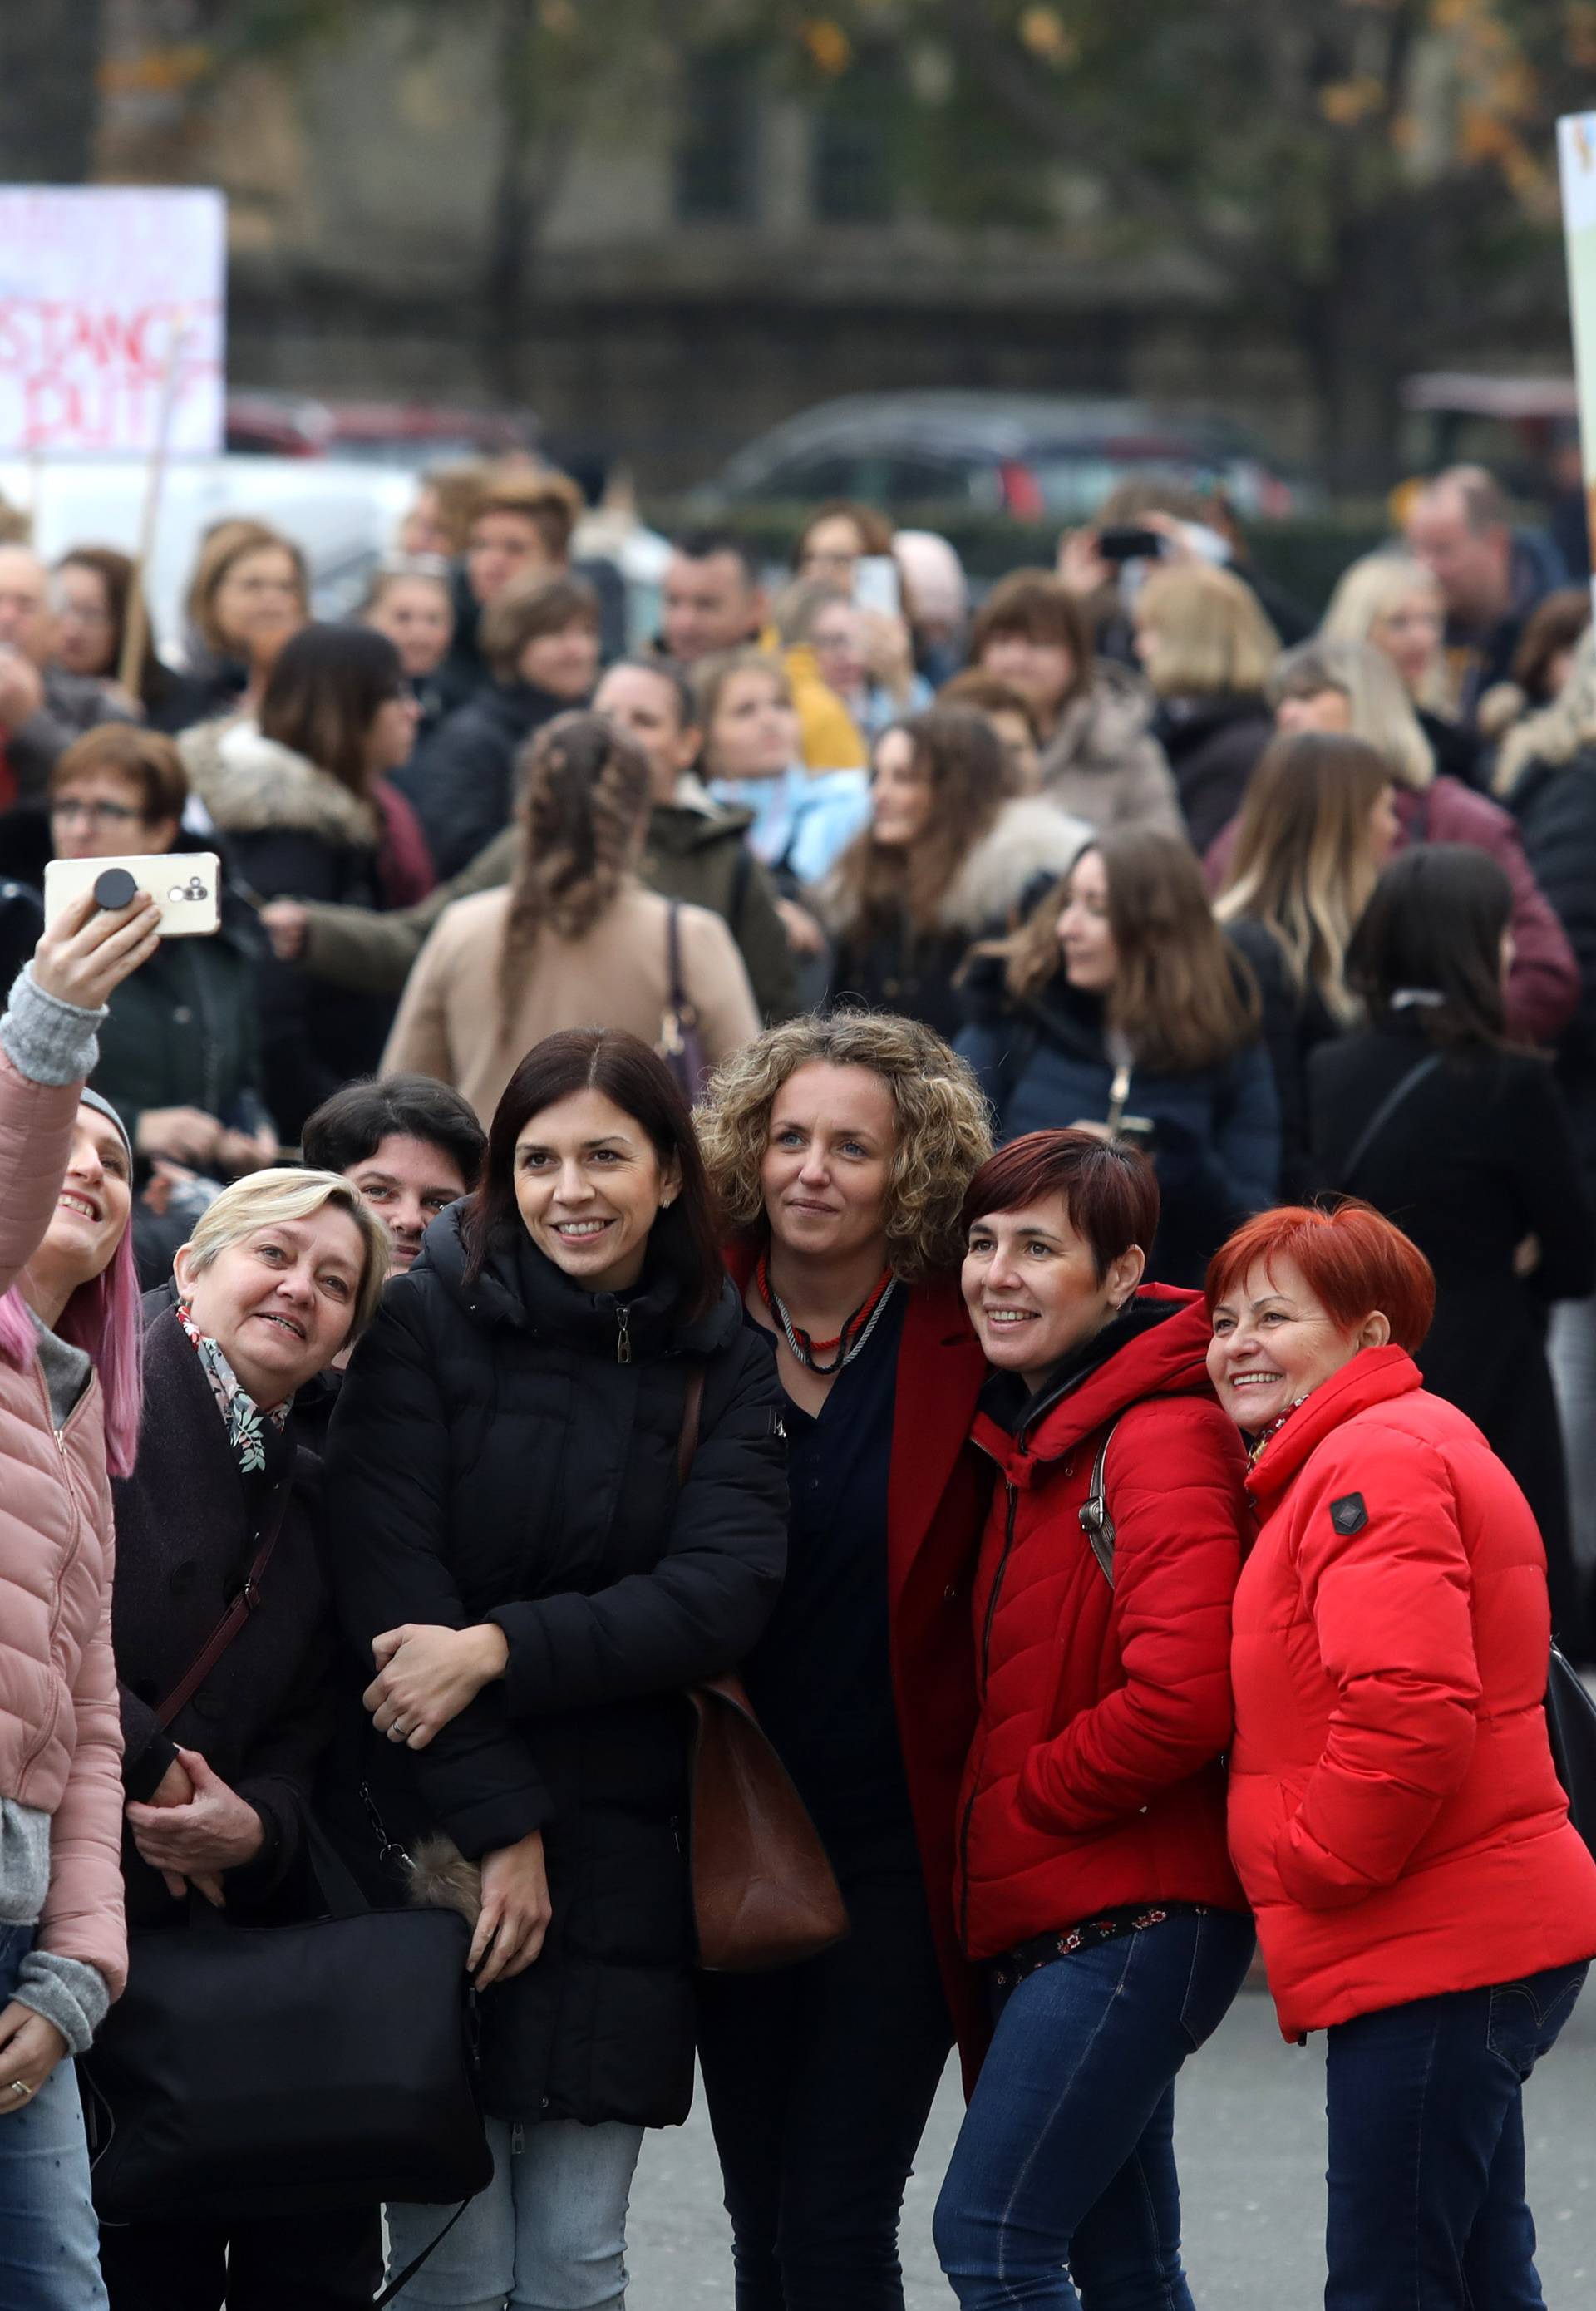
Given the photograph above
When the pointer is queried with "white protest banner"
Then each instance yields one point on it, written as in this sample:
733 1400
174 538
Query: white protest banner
1577 167
112 298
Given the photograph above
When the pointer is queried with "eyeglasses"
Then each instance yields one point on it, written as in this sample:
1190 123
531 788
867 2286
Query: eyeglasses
97 814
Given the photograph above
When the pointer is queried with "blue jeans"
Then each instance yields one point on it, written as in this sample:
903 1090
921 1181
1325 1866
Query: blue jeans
548 2234
1426 2149
1063 2177
49 2241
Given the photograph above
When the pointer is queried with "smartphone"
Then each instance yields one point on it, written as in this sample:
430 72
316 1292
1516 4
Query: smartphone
876 585
1130 545
188 884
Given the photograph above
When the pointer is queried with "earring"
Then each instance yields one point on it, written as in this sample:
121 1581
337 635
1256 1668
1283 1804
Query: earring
665 1202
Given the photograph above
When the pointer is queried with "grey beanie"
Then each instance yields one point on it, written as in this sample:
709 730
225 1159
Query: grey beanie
103 1106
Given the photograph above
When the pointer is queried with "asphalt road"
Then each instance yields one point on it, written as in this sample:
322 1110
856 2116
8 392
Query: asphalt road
1251 2142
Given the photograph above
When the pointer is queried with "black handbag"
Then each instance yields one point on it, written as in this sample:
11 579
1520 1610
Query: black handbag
1571 1725
253 2071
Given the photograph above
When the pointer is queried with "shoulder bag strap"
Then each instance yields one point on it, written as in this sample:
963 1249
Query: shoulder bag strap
1095 1519
692 1419
244 1604
1388 1107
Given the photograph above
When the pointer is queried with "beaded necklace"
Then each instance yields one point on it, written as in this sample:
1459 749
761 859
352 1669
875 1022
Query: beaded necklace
848 1342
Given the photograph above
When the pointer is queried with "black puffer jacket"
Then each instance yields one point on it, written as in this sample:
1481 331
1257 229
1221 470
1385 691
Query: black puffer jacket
461 781
490 1458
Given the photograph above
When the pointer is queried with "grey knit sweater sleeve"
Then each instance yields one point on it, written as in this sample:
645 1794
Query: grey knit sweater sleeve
47 1040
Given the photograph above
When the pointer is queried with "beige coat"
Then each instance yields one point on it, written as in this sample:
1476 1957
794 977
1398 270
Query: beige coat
617 976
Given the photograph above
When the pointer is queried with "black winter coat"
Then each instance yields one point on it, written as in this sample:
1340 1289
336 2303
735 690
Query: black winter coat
490 1459
462 780
1554 806
1478 1157
1213 746
188 1526
1295 1020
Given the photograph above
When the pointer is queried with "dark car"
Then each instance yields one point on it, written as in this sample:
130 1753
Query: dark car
1035 456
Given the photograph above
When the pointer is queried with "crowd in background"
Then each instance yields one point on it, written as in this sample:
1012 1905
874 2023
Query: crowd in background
1129 852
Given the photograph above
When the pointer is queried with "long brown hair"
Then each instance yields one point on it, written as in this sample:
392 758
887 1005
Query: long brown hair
958 756
1304 864
583 808
324 694
1182 998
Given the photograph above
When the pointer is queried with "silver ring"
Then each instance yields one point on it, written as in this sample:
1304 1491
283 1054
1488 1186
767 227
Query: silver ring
398 1732
21 2087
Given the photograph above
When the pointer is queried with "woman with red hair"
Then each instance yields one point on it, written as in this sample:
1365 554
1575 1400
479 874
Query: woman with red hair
1395 1817
1093 1886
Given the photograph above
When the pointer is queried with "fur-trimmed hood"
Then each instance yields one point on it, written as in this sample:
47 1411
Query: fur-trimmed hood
250 785
1032 840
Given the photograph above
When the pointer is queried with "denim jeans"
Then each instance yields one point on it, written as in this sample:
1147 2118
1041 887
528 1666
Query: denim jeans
1063 2177
49 2242
548 2234
1426 2149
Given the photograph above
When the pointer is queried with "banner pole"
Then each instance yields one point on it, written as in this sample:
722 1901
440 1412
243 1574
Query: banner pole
136 628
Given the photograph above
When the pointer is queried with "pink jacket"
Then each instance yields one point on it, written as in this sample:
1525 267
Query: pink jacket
60 1724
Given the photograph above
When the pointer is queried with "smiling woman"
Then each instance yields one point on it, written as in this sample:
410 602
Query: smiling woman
284 1268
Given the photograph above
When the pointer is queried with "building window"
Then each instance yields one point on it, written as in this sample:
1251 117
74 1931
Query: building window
717 155
851 155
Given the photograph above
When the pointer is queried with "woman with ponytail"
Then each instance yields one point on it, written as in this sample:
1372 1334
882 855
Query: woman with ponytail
575 940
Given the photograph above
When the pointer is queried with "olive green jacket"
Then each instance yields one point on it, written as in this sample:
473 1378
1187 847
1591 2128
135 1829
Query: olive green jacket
695 852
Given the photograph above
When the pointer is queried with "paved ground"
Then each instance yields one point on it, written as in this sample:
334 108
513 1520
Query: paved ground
1251 2151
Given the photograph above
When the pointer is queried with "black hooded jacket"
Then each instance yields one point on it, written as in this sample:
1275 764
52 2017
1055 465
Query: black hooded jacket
490 1458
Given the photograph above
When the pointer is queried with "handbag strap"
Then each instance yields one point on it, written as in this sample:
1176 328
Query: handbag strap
246 1602
396 2286
1095 1521
692 1419
1388 1107
681 1003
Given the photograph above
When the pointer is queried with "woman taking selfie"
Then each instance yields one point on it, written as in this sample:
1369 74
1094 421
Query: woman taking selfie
1092 1884
282 1272
69 1410
839 1150
1118 1007
1395 1817
532 1638
945 859
1318 824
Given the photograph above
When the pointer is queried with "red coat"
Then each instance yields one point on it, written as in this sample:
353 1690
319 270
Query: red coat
1394 1814
937 1489
1096 1777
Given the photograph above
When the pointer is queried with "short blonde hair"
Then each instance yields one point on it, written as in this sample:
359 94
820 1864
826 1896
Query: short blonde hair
1205 634
1369 589
944 1126
285 1192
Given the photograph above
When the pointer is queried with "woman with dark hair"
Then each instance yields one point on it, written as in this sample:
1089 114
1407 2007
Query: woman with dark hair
1093 1885
947 859
1395 1817
1118 1007
303 799
575 937
1316 826
92 591
537 1590
839 1149
1432 1116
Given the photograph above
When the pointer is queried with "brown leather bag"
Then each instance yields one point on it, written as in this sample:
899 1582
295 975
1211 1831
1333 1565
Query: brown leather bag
764 1892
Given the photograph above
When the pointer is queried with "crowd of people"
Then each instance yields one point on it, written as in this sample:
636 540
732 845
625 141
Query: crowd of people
1016 1175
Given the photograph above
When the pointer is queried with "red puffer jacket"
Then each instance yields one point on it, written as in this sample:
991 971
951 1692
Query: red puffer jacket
1095 1778
1394 1815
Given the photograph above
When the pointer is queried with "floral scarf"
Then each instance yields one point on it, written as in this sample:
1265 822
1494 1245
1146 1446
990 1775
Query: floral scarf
239 1409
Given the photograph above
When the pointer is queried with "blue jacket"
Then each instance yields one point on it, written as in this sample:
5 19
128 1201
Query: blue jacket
1216 1142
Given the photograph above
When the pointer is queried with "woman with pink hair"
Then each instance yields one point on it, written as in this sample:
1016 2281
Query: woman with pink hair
69 1413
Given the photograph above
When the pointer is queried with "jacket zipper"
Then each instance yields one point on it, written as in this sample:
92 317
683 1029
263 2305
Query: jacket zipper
68 1560
985 1652
623 1334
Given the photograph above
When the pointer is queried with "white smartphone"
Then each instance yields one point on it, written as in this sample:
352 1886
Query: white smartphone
186 883
876 585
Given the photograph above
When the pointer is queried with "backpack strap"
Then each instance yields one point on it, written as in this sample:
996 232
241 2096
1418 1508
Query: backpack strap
1095 1520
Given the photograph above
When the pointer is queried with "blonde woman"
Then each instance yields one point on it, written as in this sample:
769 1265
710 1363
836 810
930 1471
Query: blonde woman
751 760
283 1270
1352 687
1319 822
1393 601
1205 648
574 941
839 1150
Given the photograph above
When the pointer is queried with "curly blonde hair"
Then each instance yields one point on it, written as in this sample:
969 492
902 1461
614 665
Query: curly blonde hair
944 1126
